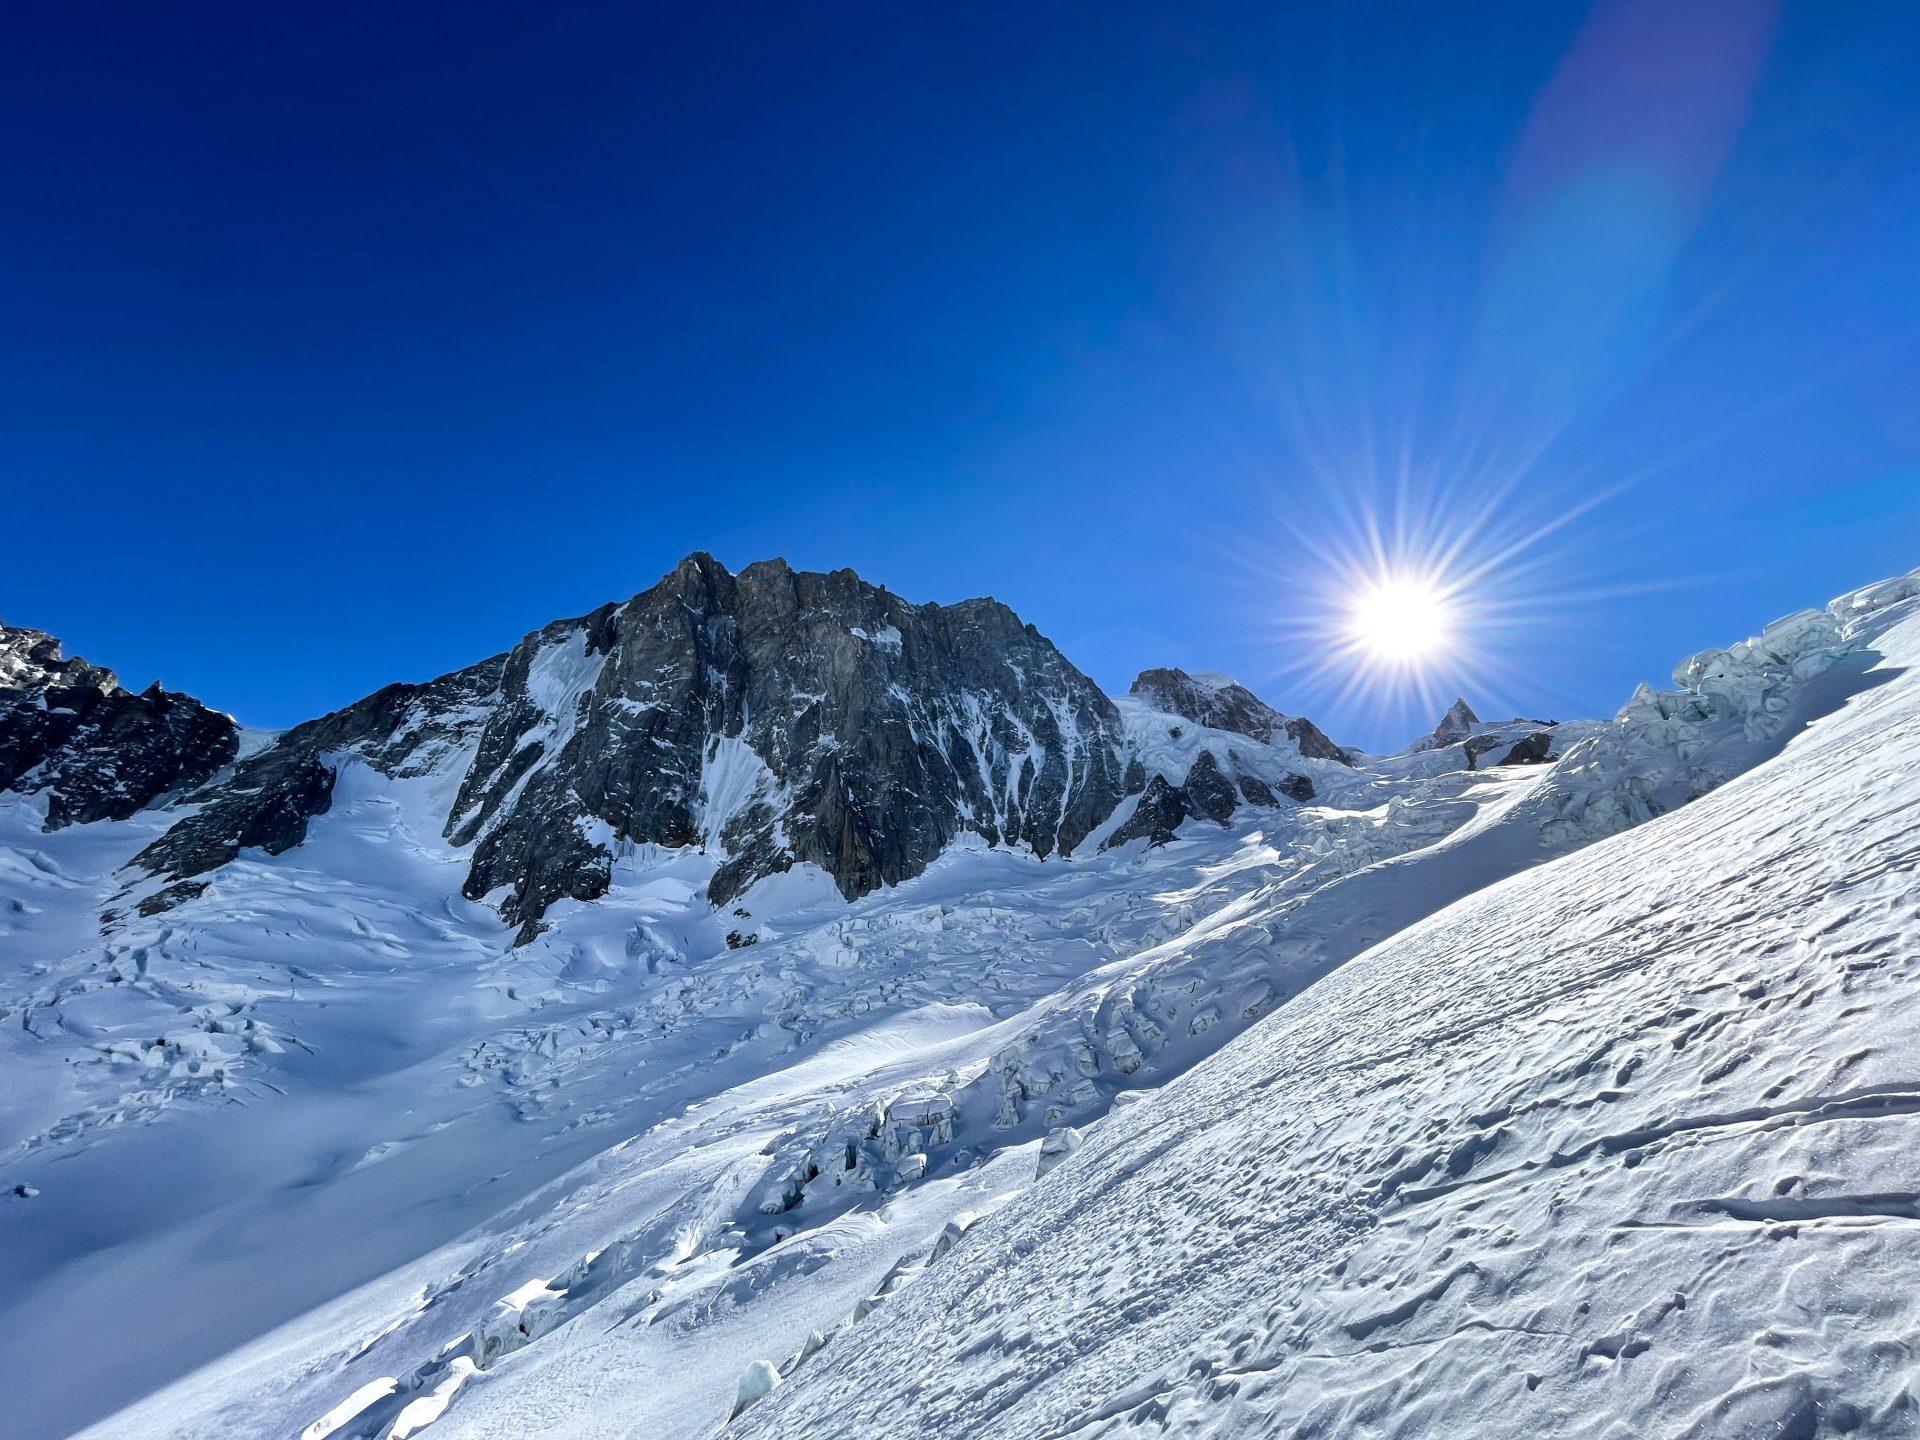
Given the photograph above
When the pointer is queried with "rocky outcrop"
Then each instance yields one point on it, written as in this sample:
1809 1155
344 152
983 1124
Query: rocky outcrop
1208 792
97 751
1534 749
1160 811
1221 704
770 718
1205 794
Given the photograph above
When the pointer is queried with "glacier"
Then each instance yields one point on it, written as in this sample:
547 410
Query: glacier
1405 1095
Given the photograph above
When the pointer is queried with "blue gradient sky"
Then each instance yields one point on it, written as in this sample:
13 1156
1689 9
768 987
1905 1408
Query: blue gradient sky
348 345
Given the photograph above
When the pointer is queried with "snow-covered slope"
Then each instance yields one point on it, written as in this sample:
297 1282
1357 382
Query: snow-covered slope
304 1143
1624 1146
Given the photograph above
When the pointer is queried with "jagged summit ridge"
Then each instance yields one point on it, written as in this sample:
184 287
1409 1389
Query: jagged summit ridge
97 750
772 717
767 719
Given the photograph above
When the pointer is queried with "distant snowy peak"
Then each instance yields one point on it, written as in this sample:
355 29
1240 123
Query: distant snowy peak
1463 740
95 750
1220 703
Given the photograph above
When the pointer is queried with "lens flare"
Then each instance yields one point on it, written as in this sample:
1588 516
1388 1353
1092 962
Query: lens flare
1401 620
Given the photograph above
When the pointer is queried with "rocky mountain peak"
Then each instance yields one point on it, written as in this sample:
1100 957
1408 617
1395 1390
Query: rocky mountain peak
775 717
1223 704
770 718
1456 724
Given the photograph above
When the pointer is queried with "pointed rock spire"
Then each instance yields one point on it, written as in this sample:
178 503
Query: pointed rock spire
1456 724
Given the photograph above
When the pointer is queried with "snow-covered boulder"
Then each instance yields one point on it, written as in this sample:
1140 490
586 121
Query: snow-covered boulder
760 1380
1061 1142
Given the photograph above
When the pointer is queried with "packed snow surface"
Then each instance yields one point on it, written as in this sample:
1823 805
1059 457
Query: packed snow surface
1435 1106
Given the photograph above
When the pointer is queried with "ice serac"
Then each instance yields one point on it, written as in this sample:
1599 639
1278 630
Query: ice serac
779 717
1222 704
97 751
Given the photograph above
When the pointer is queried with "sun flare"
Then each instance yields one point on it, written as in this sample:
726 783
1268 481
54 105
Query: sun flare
1401 620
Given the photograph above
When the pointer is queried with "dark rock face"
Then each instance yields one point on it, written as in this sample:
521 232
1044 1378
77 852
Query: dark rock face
1256 792
1297 788
1233 707
402 731
1535 749
97 751
1160 811
784 717
1478 745
1208 792
777 716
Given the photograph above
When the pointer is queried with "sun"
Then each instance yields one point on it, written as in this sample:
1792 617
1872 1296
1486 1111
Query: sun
1401 620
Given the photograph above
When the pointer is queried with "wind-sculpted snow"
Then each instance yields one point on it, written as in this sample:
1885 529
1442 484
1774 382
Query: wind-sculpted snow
1624 1146
409 1177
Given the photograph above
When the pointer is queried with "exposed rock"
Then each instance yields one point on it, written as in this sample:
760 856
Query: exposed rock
1533 750
1255 791
1456 725
1298 788
1208 792
770 719
97 751
1158 813
169 896
1222 704
1205 794
1478 745
773 718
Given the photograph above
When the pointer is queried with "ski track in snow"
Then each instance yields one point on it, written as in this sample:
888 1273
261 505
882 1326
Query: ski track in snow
1585 1144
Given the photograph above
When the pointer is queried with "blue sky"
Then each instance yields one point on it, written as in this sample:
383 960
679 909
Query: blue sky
347 344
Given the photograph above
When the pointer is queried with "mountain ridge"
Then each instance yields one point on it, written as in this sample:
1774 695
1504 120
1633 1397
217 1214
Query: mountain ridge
780 716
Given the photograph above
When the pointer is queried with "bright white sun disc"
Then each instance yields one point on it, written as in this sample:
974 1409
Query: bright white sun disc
1401 620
